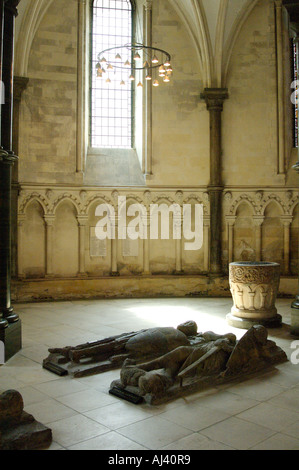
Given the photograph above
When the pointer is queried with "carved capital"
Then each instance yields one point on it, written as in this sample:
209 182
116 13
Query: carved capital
148 4
231 220
258 220
49 220
286 220
82 221
214 98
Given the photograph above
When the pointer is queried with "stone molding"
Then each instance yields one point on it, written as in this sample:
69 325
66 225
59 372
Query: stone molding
50 199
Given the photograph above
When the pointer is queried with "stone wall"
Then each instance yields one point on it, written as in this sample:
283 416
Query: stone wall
58 256
48 112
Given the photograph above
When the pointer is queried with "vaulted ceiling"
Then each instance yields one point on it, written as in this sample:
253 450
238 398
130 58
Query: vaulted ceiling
213 26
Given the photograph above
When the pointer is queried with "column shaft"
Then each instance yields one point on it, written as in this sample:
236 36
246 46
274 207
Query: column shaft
49 246
214 98
8 12
82 222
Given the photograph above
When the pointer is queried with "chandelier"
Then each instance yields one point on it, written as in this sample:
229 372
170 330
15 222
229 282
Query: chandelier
132 62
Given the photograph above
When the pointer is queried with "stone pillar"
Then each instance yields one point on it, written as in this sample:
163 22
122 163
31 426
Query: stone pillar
82 222
148 90
214 98
231 220
8 12
178 224
146 246
258 222
49 221
21 220
295 304
20 84
286 221
280 88
114 243
206 238
81 65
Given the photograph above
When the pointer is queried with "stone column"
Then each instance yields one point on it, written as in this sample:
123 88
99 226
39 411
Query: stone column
214 98
146 246
231 220
82 222
114 243
49 221
178 223
258 222
20 84
81 91
6 310
148 90
21 220
286 221
206 238
280 88
295 304
8 12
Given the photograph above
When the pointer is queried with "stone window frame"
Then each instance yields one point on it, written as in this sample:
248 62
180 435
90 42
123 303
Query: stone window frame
144 147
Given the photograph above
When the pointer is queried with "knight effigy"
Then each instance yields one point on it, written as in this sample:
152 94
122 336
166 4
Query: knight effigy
161 364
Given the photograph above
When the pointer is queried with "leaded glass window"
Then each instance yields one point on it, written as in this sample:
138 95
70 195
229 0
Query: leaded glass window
111 102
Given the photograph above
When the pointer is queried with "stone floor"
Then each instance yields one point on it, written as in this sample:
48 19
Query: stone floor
257 414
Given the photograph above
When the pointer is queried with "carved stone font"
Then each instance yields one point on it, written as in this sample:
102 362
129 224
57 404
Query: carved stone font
254 287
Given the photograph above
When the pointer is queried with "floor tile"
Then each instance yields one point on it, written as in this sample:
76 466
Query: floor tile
227 402
75 429
194 416
117 415
60 387
49 410
196 442
237 433
271 416
278 442
154 432
288 399
256 389
32 396
110 441
87 400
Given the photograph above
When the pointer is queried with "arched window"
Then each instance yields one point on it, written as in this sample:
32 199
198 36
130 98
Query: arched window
111 117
